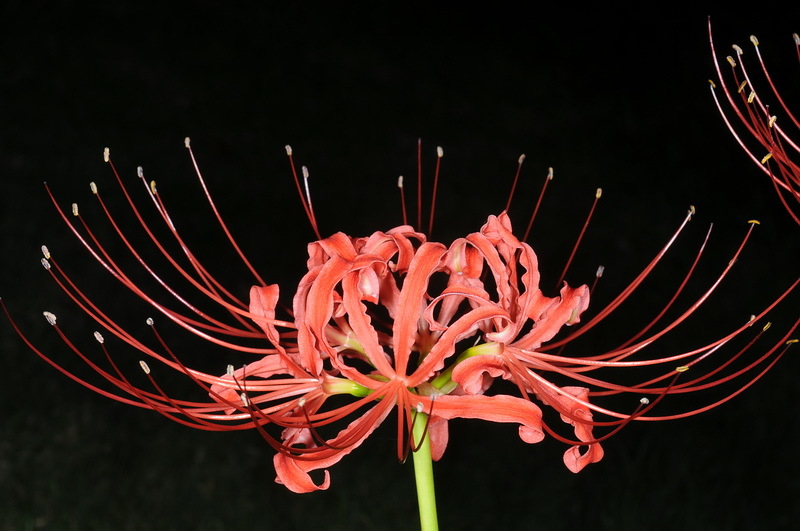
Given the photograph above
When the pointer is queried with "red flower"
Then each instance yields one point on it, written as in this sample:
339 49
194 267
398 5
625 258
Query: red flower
394 322
771 147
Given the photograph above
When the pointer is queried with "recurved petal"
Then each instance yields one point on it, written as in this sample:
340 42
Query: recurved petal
475 374
558 312
412 300
445 346
262 305
294 473
498 408
580 418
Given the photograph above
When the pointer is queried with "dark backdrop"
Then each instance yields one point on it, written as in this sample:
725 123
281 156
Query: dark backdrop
613 98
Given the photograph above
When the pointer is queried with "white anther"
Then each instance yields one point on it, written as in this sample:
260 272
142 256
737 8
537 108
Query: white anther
99 337
149 321
187 142
288 150
439 151
644 401
600 270
46 263
45 251
51 318
139 172
74 209
93 187
106 154
229 370
145 367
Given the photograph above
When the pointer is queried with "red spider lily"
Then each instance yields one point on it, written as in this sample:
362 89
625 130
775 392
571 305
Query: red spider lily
393 321
773 151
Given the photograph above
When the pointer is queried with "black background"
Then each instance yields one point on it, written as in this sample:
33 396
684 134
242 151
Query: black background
613 98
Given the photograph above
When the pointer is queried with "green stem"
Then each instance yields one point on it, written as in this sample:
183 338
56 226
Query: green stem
423 473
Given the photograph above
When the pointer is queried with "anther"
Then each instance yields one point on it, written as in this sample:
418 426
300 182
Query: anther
51 318
600 270
682 368
245 400
754 222
754 40
521 158
145 367
751 96
93 187
106 155
731 61
439 151
288 150
772 120
742 85
644 400
99 337
153 187
149 321
598 193
46 263
737 49
792 341
400 182
229 370
74 209
766 158
139 172
692 210
550 173
45 251
766 326
797 42
187 142
713 85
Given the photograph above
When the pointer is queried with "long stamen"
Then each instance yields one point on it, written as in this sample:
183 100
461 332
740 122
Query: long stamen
597 196
520 160
305 198
439 155
547 180
222 224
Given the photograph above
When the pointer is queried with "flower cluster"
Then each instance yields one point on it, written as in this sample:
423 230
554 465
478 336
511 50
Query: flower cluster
396 323
769 145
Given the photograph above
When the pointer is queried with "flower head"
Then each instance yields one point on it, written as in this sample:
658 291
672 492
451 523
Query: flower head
393 323
766 140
